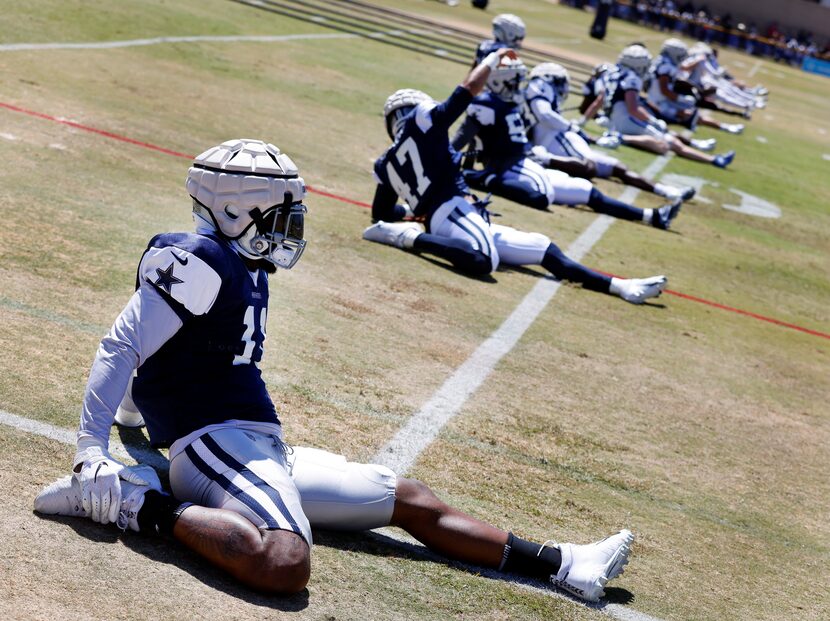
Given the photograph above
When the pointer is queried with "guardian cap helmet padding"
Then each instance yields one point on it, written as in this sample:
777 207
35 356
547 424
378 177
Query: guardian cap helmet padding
250 193
506 79
554 74
509 29
637 58
398 105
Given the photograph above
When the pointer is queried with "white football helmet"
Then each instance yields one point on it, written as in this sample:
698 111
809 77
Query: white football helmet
251 194
506 79
637 58
509 29
700 48
398 105
556 75
675 49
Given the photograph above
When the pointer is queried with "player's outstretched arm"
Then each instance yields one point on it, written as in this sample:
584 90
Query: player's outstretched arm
477 78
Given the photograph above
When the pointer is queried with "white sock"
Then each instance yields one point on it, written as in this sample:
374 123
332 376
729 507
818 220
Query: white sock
648 214
661 189
618 285
407 238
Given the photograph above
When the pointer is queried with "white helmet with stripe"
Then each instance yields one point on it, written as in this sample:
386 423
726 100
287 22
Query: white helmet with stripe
637 58
675 49
509 29
556 75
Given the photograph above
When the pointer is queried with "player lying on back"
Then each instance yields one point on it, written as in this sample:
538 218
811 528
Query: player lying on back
495 118
559 143
621 100
666 102
702 70
508 32
192 334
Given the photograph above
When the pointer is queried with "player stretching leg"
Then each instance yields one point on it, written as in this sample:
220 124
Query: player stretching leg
422 169
495 118
193 333
560 143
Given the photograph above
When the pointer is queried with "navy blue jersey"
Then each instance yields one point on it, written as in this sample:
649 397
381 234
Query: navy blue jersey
421 167
500 127
486 47
206 373
616 82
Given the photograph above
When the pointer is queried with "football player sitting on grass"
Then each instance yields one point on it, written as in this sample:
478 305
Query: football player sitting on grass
494 118
561 144
422 169
618 92
243 499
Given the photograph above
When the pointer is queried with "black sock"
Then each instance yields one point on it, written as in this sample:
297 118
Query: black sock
159 513
531 559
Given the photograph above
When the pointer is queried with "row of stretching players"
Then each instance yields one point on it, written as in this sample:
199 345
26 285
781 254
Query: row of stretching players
182 356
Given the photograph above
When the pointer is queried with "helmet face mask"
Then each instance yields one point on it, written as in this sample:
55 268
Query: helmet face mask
509 29
506 80
250 194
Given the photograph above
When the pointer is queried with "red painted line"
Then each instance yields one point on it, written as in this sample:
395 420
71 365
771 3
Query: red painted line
154 147
732 309
350 201
100 132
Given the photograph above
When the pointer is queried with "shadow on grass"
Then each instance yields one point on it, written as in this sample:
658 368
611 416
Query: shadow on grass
380 544
170 552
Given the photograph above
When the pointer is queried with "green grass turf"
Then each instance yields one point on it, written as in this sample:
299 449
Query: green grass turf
703 431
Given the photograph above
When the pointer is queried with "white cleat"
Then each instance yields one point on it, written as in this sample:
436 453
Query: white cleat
732 128
63 497
586 569
704 145
398 234
638 290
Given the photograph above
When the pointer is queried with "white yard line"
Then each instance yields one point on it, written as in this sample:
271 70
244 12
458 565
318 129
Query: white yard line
445 404
96 45
754 69
139 454
423 427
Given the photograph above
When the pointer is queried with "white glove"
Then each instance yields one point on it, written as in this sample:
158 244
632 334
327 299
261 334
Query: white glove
100 481
660 124
687 101
540 155
575 128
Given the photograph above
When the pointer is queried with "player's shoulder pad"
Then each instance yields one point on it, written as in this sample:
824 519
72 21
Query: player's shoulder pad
538 87
481 112
665 67
186 267
423 115
631 82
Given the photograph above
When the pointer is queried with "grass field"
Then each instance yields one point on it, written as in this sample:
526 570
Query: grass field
704 431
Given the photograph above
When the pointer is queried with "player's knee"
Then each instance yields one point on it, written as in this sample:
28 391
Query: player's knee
414 501
477 263
662 147
591 169
538 200
282 565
